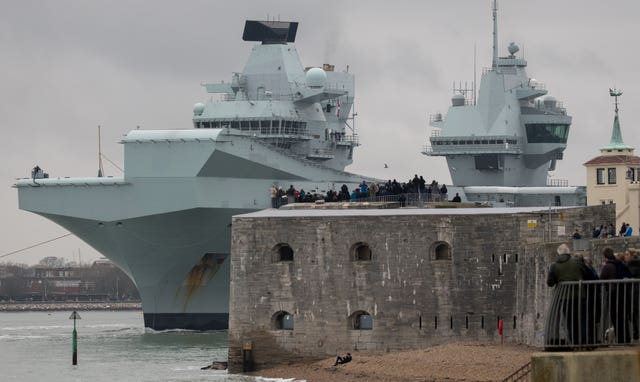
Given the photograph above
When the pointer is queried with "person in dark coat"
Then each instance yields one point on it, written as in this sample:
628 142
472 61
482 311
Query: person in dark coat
342 360
591 311
596 232
633 263
566 268
617 294
444 192
456 199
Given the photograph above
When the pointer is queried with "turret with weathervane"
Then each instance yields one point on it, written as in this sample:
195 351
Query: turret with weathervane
614 175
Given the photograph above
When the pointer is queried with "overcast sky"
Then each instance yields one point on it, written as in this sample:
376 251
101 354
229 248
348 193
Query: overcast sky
68 66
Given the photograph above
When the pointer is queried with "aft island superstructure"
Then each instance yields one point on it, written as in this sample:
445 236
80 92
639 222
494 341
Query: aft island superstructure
167 221
503 143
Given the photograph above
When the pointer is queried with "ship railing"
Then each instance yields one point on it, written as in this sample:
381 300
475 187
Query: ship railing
486 149
592 314
557 108
269 133
301 158
427 149
436 118
436 132
505 144
553 182
347 140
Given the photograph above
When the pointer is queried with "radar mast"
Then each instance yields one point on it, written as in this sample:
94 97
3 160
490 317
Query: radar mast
495 33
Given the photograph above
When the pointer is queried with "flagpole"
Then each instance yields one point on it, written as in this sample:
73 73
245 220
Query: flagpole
100 169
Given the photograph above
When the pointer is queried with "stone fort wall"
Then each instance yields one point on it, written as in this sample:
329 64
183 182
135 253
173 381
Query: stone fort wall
305 287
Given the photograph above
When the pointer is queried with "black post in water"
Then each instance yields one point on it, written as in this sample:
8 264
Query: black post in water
74 357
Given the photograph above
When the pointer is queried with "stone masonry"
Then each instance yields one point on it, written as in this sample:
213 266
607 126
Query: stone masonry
304 284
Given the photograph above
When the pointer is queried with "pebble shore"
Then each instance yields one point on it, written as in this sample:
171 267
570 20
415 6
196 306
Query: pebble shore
71 305
444 363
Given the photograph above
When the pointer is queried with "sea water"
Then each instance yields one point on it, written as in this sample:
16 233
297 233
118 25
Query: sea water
112 346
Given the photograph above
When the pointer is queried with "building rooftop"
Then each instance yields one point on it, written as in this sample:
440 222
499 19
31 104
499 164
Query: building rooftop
614 159
283 213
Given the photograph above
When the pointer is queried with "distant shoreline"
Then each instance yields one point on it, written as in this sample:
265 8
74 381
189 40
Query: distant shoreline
68 305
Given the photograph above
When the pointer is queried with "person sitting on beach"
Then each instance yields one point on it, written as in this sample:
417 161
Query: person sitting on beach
343 360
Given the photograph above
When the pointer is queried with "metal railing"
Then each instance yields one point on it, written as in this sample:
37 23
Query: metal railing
521 374
590 314
410 200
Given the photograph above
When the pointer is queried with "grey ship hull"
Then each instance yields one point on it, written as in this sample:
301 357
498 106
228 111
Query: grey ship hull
158 252
157 228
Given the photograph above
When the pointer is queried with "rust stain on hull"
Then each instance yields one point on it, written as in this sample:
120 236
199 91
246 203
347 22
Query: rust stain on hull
200 274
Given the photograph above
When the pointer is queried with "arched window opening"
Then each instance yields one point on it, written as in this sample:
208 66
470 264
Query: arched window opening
360 320
441 251
283 252
361 252
282 321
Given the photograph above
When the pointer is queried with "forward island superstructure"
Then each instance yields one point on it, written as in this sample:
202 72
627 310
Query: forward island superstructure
167 221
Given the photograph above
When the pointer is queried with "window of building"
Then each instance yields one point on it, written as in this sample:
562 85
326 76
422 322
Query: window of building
282 321
360 320
361 252
282 252
611 175
631 176
600 175
441 251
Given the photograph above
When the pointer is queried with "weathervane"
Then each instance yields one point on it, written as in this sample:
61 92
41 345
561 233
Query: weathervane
615 93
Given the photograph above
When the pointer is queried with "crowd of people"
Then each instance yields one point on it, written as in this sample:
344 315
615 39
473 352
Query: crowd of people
622 299
417 185
609 230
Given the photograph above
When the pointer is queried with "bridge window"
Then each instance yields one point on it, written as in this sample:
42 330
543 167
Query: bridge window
360 320
282 252
361 252
547 133
282 321
600 176
489 162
